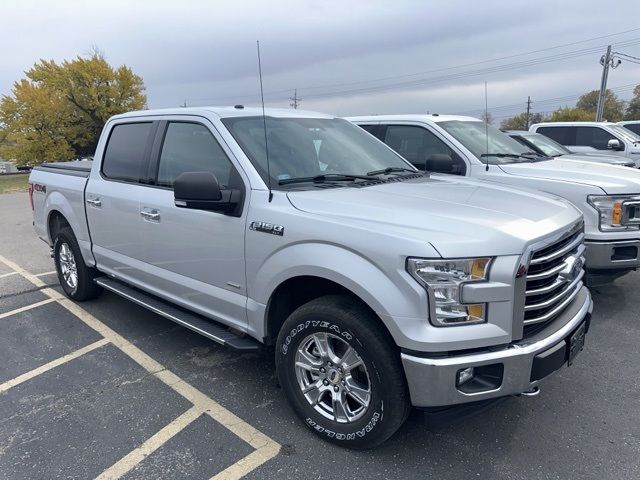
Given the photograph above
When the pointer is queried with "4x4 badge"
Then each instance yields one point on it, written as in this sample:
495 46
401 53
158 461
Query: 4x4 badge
267 228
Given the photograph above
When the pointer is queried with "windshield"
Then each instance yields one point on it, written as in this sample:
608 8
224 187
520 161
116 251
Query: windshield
625 133
311 147
546 145
475 135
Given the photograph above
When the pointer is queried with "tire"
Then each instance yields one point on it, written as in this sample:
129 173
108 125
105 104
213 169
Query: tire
75 277
358 407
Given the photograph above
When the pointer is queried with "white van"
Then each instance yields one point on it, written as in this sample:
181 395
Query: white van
633 125
599 135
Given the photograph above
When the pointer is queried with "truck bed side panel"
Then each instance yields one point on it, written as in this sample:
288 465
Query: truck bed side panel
58 190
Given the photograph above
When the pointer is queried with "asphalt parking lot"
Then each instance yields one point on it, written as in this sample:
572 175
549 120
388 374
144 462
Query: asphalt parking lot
106 388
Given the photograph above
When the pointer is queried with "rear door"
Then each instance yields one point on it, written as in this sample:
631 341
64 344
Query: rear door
113 195
195 257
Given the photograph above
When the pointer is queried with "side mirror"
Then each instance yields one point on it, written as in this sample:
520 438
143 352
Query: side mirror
201 191
614 144
441 163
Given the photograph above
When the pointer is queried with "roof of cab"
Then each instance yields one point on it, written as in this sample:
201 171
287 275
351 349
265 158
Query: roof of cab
224 112
416 117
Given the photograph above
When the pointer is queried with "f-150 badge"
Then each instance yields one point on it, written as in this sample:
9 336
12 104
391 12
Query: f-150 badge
267 228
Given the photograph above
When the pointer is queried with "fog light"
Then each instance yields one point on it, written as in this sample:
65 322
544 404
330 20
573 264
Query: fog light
464 375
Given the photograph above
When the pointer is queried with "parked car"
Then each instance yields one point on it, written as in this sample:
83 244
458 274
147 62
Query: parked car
633 125
603 136
607 195
380 287
547 147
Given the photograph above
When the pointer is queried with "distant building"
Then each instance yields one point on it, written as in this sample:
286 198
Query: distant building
7 167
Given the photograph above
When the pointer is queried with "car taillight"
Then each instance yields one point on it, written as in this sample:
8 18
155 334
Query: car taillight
31 195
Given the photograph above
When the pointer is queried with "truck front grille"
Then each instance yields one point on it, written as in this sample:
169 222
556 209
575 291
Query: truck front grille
551 285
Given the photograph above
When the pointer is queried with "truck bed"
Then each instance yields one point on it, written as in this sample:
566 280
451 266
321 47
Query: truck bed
76 168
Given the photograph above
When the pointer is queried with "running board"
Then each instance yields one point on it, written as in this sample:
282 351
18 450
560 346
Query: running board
193 321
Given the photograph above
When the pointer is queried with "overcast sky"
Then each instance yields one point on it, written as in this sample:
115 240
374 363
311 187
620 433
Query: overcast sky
344 57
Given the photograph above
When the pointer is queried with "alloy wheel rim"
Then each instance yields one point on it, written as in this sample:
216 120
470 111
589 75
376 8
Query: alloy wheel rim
333 377
68 266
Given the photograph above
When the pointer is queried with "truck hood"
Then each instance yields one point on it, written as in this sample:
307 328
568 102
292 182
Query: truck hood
609 178
458 217
594 157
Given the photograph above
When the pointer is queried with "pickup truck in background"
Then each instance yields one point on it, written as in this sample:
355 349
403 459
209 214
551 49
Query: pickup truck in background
379 286
633 125
608 196
606 137
547 147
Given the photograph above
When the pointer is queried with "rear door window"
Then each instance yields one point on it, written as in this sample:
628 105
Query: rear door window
563 135
126 154
191 147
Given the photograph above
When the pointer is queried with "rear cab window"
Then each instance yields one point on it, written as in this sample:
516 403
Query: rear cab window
126 154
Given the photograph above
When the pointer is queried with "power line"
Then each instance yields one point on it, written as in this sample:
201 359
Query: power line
459 75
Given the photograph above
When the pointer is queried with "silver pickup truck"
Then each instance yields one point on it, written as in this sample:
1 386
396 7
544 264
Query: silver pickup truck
379 286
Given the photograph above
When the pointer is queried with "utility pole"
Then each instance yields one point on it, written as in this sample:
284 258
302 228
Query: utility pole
606 62
528 113
295 101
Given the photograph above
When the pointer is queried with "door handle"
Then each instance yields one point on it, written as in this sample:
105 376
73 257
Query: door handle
151 215
94 202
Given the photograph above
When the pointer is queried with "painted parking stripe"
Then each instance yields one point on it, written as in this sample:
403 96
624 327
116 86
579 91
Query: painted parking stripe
8 274
265 447
129 461
26 307
44 274
48 366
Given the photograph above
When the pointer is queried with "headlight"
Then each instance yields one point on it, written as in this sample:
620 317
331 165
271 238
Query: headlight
616 212
444 280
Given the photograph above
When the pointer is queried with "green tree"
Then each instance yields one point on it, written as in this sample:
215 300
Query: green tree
633 108
57 112
519 122
570 114
613 106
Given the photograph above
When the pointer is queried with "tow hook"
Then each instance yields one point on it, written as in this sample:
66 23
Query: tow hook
531 393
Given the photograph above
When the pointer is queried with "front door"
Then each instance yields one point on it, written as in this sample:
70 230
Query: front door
194 257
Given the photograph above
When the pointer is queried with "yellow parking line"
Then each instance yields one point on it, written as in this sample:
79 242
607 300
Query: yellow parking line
8 274
266 448
129 461
48 366
28 307
46 273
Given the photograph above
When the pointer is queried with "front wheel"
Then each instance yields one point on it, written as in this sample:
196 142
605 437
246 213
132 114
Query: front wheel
341 372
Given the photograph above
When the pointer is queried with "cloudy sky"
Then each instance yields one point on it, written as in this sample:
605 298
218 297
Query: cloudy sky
344 57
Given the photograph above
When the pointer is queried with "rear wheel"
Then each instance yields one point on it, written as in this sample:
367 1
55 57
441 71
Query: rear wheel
341 372
75 277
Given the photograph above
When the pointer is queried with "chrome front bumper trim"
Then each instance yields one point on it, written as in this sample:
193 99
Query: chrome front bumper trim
432 381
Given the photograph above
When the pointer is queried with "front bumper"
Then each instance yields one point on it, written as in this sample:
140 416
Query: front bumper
432 381
612 255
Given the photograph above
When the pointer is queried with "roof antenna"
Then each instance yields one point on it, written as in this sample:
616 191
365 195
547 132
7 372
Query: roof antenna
264 124
486 124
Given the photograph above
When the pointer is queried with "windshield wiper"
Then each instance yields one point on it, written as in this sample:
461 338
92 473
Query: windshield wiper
510 155
327 177
388 170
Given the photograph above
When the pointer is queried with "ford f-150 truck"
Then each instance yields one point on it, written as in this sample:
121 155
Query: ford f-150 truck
379 286
607 195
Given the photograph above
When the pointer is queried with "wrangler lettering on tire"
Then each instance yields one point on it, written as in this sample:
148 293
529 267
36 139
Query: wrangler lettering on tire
341 372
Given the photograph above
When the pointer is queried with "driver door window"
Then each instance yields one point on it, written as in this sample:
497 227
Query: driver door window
418 145
190 147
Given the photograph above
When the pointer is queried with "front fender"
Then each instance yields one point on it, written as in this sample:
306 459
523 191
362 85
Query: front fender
391 292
